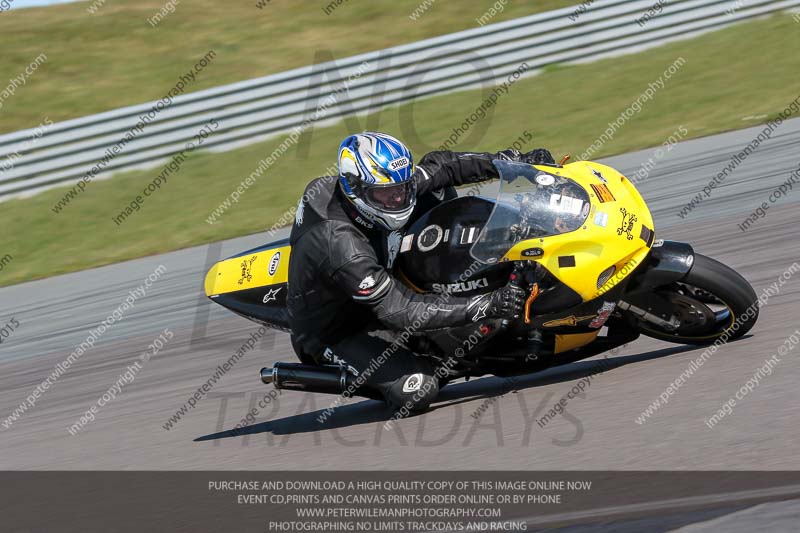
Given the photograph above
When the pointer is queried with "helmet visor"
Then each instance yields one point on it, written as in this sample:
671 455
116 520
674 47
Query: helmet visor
393 197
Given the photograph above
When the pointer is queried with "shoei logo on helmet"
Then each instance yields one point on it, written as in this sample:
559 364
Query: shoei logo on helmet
399 163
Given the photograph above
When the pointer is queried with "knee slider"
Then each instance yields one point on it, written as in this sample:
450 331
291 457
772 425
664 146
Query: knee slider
413 392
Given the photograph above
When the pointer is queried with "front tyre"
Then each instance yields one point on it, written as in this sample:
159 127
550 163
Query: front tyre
712 301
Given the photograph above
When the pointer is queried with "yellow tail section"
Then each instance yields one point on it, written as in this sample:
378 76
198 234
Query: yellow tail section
260 268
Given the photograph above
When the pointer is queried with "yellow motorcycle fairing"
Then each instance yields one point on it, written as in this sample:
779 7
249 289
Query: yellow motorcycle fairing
618 233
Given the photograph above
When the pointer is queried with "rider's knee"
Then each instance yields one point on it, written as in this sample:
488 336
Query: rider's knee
413 392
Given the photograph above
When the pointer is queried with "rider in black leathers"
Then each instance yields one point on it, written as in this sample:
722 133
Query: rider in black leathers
341 290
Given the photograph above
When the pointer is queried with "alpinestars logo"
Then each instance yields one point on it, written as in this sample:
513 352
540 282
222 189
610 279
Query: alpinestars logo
367 283
464 286
483 307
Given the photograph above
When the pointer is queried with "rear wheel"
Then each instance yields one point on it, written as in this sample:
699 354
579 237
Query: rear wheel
713 301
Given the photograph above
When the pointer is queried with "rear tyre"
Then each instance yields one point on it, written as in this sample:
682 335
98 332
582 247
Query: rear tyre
713 301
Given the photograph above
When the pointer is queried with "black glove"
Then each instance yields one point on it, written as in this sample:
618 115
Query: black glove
539 156
506 302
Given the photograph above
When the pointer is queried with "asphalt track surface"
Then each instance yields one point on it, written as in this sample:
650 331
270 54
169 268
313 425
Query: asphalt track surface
599 432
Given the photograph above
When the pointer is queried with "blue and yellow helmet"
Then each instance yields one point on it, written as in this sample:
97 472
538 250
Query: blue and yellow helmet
376 175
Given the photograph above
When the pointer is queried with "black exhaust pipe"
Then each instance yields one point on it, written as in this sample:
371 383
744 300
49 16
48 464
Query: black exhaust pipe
325 379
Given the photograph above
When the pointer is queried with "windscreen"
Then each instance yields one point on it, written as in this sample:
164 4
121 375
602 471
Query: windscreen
531 204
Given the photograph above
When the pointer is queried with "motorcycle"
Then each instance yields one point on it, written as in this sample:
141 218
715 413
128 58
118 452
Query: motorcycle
577 237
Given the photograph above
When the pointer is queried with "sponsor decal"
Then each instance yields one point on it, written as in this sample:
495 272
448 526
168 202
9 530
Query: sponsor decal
566 261
566 204
468 235
333 358
393 246
602 315
571 320
659 243
367 283
544 179
429 238
464 286
413 383
397 164
603 193
647 235
408 242
272 295
364 217
364 222
532 252
601 219
274 263
599 175
626 226
247 274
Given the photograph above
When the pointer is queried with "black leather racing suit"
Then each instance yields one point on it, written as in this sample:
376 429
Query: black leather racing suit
340 287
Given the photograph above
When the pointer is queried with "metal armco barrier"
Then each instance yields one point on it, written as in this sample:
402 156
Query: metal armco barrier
253 110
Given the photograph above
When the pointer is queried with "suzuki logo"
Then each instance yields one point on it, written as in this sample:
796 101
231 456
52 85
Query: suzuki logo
464 286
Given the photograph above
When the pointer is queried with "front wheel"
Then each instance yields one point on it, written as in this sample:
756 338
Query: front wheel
711 302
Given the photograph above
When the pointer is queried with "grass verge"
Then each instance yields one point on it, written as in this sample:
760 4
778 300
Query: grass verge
114 57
